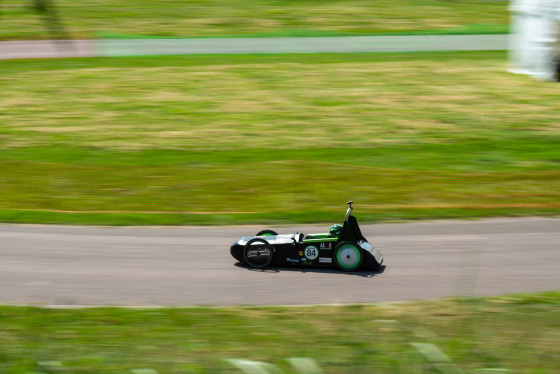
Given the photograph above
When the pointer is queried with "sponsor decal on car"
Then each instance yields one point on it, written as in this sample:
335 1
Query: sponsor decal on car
301 253
311 253
292 259
325 260
326 246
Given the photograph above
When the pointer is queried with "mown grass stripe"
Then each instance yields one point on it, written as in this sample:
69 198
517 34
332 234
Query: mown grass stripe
475 334
87 19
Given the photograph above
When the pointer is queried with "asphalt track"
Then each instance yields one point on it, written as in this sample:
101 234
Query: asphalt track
188 266
185 46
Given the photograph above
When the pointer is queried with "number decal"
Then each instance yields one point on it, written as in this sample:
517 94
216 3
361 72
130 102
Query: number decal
311 253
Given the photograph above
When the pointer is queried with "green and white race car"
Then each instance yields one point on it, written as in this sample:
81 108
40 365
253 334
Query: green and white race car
343 246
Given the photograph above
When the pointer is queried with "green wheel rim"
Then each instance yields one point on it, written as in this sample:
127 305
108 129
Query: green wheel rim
348 256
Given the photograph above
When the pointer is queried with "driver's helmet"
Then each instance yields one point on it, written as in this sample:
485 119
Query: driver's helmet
335 230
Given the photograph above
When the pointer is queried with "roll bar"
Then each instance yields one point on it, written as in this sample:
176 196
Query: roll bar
349 211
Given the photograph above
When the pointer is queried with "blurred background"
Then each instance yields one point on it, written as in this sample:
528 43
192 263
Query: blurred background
273 137
210 112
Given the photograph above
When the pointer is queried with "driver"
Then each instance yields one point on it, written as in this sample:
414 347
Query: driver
335 231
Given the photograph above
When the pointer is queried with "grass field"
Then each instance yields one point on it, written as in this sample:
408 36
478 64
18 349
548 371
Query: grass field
519 333
89 18
275 139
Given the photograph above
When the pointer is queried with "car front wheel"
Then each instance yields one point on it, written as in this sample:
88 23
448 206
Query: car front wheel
258 253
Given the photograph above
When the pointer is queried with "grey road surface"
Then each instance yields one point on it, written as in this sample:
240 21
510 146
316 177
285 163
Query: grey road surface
185 46
62 265
22 49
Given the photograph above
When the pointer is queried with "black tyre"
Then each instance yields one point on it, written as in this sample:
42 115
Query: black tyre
267 233
258 253
348 256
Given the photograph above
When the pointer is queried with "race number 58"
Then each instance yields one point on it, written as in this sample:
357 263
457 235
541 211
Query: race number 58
311 253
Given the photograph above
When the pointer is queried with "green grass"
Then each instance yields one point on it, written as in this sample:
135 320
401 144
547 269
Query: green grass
88 18
474 29
519 333
275 139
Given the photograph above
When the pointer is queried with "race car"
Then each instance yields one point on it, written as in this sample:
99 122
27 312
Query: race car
343 246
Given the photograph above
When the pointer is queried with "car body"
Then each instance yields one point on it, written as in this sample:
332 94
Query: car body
349 250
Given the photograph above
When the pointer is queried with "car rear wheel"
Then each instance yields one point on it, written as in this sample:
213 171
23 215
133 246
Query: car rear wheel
267 233
258 253
348 256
